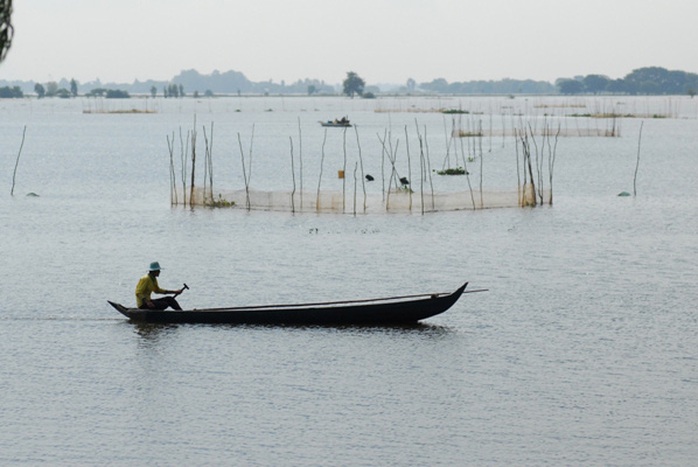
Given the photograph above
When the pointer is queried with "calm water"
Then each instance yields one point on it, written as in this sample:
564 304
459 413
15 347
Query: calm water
582 352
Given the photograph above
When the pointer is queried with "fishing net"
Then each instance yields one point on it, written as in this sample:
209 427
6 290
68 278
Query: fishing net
354 202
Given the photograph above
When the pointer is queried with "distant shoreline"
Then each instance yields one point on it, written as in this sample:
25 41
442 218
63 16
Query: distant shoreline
642 81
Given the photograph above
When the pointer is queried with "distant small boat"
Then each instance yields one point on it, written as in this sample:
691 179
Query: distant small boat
342 122
406 309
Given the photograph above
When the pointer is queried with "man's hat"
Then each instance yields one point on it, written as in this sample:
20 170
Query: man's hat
154 266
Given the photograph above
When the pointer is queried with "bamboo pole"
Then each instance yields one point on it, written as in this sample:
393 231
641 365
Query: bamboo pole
431 178
19 153
193 165
409 167
244 174
246 171
361 161
551 164
637 163
300 159
538 192
422 166
344 170
249 167
482 168
355 183
518 167
385 135
293 178
467 174
319 180
173 179
392 156
183 168
208 168
527 153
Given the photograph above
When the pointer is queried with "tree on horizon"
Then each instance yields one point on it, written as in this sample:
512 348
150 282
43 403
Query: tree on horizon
353 84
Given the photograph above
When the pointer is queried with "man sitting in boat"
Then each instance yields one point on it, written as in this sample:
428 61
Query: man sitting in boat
148 285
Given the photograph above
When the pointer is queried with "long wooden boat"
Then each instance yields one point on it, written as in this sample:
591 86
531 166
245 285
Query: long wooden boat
406 309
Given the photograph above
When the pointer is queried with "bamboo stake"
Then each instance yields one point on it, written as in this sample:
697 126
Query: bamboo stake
448 139
539 192
183 168
637 163
173 181
385 135
482 202
193 165
467 174
551 164
431 179
14 173
530 175
208 166
293 178
361 161
422 175
392 156
518 168
355 169
319 180
300 159
344 170
249 168
244 174
409 166
205 188
209 151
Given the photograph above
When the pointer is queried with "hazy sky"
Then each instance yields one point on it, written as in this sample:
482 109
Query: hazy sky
384 41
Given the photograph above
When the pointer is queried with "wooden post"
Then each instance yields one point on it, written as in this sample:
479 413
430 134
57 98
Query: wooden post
300 159
173 181
293 178
361 161
193 165
637 163
14 173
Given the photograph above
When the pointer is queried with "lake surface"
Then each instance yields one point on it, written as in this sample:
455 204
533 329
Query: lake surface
584 350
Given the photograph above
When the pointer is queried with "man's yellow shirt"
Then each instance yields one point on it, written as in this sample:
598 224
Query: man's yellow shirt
145 287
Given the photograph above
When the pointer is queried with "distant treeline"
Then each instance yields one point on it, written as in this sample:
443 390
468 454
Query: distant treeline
649 81
187 82
505 86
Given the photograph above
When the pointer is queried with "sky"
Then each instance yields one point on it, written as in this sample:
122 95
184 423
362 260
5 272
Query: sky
383 41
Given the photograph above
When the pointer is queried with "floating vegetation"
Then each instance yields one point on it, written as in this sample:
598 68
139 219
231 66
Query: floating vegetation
127 111
452 171
219 203
617 115
559 106
470 134
611 132
427 110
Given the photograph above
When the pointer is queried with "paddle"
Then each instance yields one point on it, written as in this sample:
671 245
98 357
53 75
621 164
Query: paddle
186 287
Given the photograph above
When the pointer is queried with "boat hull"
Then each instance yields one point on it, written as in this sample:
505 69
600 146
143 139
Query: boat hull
394 311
